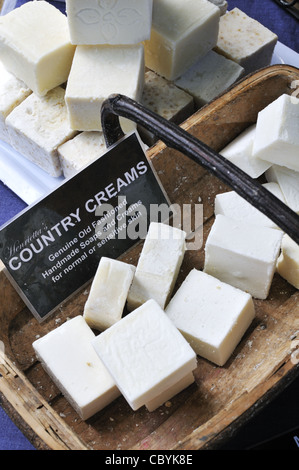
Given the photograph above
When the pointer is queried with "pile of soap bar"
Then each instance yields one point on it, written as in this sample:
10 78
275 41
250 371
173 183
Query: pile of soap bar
172 56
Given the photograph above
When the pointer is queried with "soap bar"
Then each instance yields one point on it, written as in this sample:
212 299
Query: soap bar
277 137
245 40
209 76
80 151
158 265
108 293
239 152
234 206
94 22
165 99
182 32
145 354
96 73
288 181
69 358
35 45
38 126
155 403
288 261
12 92
212 315
242 255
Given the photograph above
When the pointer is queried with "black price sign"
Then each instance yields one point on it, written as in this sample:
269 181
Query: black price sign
52 249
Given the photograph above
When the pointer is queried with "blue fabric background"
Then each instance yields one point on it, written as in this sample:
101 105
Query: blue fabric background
270 15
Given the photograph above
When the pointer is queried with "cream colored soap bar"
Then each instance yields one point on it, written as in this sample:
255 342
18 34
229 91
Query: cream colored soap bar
94 22
38 126
245 40
108 293
277 137
12 92
67 355
288 181
288 261
242 255
182 32
96 73
35 45
158 265
78 152
212 316
145 354
209 76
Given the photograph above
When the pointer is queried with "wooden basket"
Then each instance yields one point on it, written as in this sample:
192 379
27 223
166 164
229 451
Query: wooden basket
208 412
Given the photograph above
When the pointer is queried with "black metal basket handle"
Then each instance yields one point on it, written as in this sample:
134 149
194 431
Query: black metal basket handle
179 139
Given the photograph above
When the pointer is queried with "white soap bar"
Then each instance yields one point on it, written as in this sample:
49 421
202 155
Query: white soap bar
288 181
67 355
234 206
94 22
212 315
38 126
242 255
145 354
166 100
239 152
35 45
182 32
245 40
277 137
80 151
12 92
108 293
209 76
288 261
170 393
158 265
96 73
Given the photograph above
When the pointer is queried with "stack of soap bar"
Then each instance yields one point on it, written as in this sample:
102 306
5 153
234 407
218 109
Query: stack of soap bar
109 22
158 266
78 152
209 77
212 315
38 126
277 137
288 261
12 92
239 152
96 73
166 100
108 293
68 356
146 356
242 255
182 32
288 181
35 45
234 206
245 40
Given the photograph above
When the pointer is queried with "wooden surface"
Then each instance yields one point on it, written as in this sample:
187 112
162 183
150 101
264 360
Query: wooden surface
208 411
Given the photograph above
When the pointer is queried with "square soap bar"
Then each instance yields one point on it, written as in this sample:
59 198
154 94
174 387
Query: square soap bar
277 137
288 261
145 354
35 45
12 92
108 293
69 358
288 181
245 40
158 265
182 32
212 315
96 73
94 22
242 255
38 126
